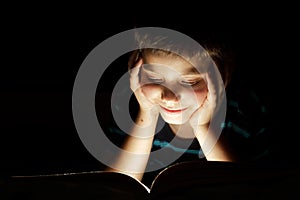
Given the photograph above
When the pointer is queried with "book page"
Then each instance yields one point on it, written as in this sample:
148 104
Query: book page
102 184
210 180
216 180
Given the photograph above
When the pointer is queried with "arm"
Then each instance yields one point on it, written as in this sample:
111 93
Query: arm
207 120
136 150
214 151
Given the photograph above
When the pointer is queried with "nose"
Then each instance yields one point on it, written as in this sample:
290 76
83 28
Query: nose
168 95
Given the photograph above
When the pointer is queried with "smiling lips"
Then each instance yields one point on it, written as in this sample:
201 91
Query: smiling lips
172 111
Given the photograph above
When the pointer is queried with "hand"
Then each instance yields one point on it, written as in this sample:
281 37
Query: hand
135 86
213 103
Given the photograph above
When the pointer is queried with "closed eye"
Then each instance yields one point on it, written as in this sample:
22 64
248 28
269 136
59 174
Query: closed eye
198 83
189 83
155 79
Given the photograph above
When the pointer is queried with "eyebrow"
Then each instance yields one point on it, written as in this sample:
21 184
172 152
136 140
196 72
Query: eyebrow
192 76
151 72
148 67
190 73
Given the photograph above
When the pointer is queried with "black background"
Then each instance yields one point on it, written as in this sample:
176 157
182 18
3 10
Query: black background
42 53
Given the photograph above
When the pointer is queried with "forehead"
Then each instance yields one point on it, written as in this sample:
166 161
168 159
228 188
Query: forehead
173 62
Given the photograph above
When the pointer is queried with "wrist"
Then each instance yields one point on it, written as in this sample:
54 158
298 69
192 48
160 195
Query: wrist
201 132
147 117
152 112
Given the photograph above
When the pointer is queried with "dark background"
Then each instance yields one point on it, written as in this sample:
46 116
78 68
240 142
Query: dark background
41 56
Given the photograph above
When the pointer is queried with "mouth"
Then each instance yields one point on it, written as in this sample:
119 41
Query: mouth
173 111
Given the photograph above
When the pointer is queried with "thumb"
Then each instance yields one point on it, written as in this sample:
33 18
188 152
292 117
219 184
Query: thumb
134 75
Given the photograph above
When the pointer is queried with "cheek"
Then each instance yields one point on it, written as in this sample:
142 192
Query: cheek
201 95
151 91
194 96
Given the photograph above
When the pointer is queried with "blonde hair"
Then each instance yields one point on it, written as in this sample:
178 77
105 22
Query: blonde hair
162 46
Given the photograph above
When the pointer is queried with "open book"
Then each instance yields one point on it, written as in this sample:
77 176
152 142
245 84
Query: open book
208 180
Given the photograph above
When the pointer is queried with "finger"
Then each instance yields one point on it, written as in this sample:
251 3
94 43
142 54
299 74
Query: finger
216 90
134 75
211 86
135 70
205 103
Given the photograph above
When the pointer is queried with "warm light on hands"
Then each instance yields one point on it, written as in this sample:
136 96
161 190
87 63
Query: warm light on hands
201 118
136 87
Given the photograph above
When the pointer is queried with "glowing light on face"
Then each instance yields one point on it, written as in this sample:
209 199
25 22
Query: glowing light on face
173 84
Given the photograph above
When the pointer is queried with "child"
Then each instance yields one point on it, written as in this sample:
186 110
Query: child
185 87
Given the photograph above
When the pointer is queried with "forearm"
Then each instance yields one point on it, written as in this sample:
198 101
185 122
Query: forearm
137 147
215 148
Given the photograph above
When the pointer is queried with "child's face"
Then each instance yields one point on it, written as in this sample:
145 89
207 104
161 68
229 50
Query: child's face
175 85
